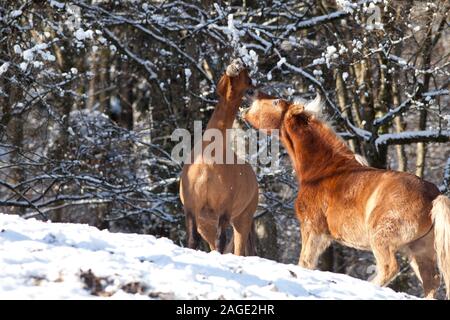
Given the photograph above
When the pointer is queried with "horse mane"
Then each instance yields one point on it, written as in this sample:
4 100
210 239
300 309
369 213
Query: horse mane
328 134
316 149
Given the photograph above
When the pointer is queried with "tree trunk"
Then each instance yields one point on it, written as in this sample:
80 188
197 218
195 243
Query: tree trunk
399 127
429 44
341 95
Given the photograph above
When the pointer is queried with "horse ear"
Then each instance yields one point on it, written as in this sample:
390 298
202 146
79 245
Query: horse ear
223 86
296 112
316 106
303 119
296 109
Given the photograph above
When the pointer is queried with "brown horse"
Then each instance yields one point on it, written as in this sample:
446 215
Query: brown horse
382 211
216 195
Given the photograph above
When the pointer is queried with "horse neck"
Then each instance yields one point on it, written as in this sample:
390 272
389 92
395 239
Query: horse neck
222 119
224 114
316 152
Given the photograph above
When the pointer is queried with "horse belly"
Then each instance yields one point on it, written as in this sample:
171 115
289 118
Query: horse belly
349 231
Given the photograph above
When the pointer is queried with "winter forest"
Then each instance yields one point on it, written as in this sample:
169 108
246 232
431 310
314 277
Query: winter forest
91 91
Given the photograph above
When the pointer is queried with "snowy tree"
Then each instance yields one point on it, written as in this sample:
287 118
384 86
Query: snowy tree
90 92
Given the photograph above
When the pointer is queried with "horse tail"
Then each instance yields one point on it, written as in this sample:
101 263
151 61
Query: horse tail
440 214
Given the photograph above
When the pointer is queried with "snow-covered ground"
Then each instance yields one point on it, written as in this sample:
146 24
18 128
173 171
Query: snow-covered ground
41 260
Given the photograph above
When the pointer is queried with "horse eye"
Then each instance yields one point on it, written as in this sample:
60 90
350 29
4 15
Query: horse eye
275 102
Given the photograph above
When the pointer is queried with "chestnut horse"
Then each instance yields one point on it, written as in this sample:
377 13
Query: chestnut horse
382 211
216 195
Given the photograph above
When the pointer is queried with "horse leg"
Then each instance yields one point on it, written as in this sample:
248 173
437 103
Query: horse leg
387 266
221 238
242 225
193 237
209 233
244 236
313 245
208 229
250 249
423 262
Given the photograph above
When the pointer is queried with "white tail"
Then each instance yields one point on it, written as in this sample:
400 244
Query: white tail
440 214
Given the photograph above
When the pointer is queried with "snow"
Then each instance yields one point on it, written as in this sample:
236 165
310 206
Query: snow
346 5
318 61
358 44
17 49
23 66
440 92
342 49
15 13
234 33
29 54
56 4
81 34
249 57
317 72
344 76
47 56
411 136
330 54
281 62
187 74
42 260
4 67
397 59
115 105
331 50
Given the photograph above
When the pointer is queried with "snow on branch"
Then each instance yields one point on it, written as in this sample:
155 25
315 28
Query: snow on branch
321 19
138 25
394 112
27 202
435 93
146 64
405 105
408 137
361 133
